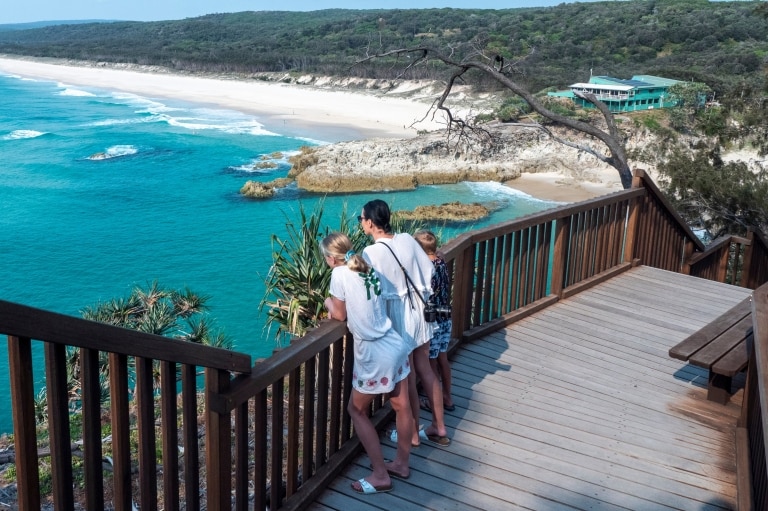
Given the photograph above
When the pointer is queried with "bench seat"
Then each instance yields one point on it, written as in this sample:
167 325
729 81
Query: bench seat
722 347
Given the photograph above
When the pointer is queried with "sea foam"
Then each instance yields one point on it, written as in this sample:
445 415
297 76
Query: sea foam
495 191
76 92
114 152
22 134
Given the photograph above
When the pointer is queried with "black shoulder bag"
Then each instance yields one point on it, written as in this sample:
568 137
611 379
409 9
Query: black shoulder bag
430 311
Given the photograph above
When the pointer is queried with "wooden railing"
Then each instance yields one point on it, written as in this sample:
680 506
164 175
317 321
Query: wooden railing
503 272
292 435
133 438
277 433
751 455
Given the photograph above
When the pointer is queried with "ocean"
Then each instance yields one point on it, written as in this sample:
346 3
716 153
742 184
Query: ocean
103 191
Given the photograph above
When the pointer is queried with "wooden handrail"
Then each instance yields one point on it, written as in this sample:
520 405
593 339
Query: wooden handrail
760 332
265 372
713 247
23 321
653 190
466 240
752 430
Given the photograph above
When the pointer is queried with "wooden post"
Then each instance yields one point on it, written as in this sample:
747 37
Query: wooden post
722 267
746 267
218 445
59 432
464 276
559 257
92 447
22 397
121 442
633 219
145 400
686 266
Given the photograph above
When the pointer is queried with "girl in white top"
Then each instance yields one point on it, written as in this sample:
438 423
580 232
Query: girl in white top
405 309
381 358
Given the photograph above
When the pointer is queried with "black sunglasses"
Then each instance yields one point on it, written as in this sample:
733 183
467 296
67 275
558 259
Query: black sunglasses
360 219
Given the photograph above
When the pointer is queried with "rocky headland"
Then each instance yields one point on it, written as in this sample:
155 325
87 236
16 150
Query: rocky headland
435 158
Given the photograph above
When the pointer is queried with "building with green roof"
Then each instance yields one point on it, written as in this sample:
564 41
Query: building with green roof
641 92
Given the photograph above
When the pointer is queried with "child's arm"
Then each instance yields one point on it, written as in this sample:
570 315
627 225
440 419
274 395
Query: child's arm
337 309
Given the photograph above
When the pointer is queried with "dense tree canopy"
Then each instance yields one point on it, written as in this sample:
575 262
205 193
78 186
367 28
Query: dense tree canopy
719 43
720 197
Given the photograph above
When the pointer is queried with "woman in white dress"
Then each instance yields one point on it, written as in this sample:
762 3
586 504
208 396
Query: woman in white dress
392 255
381 358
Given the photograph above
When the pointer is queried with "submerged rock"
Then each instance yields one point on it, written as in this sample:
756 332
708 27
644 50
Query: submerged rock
264 165
448 212
259 190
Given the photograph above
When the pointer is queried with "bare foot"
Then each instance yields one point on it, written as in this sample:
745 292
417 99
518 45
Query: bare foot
400 472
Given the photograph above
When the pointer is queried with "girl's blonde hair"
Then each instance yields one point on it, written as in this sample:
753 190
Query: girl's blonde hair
339 246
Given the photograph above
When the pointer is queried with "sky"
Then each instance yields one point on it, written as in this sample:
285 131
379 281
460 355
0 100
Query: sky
23 11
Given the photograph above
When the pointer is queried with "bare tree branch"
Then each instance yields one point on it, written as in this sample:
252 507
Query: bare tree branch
497 69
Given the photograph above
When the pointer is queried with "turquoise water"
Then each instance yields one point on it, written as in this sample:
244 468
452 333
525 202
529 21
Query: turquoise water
102 191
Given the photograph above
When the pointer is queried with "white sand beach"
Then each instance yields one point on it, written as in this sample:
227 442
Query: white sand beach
338 115
368 114
556 187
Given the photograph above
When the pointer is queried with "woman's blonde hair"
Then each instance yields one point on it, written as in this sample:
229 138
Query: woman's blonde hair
339 246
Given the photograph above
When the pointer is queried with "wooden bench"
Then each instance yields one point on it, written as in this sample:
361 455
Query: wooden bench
722 346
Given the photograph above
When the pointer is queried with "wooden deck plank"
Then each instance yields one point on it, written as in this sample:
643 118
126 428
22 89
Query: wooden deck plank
637 445
568 400
583 400
579 406
547 459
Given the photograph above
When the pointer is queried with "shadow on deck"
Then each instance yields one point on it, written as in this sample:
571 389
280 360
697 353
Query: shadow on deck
579 406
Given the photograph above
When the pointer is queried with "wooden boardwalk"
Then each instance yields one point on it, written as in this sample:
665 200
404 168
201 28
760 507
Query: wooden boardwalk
579 407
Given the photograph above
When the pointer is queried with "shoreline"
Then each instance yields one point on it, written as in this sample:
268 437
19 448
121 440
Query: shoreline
290 109
341 114
556 187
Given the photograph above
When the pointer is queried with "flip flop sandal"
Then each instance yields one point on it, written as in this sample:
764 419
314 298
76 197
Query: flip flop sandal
394 474
367 488
393 438
439 441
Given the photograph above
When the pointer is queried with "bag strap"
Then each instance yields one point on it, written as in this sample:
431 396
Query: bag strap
407 277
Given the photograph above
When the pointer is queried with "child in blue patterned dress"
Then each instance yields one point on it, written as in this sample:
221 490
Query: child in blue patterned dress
441 337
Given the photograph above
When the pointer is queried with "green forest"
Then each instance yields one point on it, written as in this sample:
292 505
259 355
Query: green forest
723 44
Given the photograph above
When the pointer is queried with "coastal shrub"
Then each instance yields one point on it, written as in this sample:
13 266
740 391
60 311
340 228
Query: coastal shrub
718 196
512 109
298 280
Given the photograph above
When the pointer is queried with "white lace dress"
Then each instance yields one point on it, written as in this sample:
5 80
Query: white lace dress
381 356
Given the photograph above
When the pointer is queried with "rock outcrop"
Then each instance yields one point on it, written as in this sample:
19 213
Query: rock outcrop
448 212
259 190
433 158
